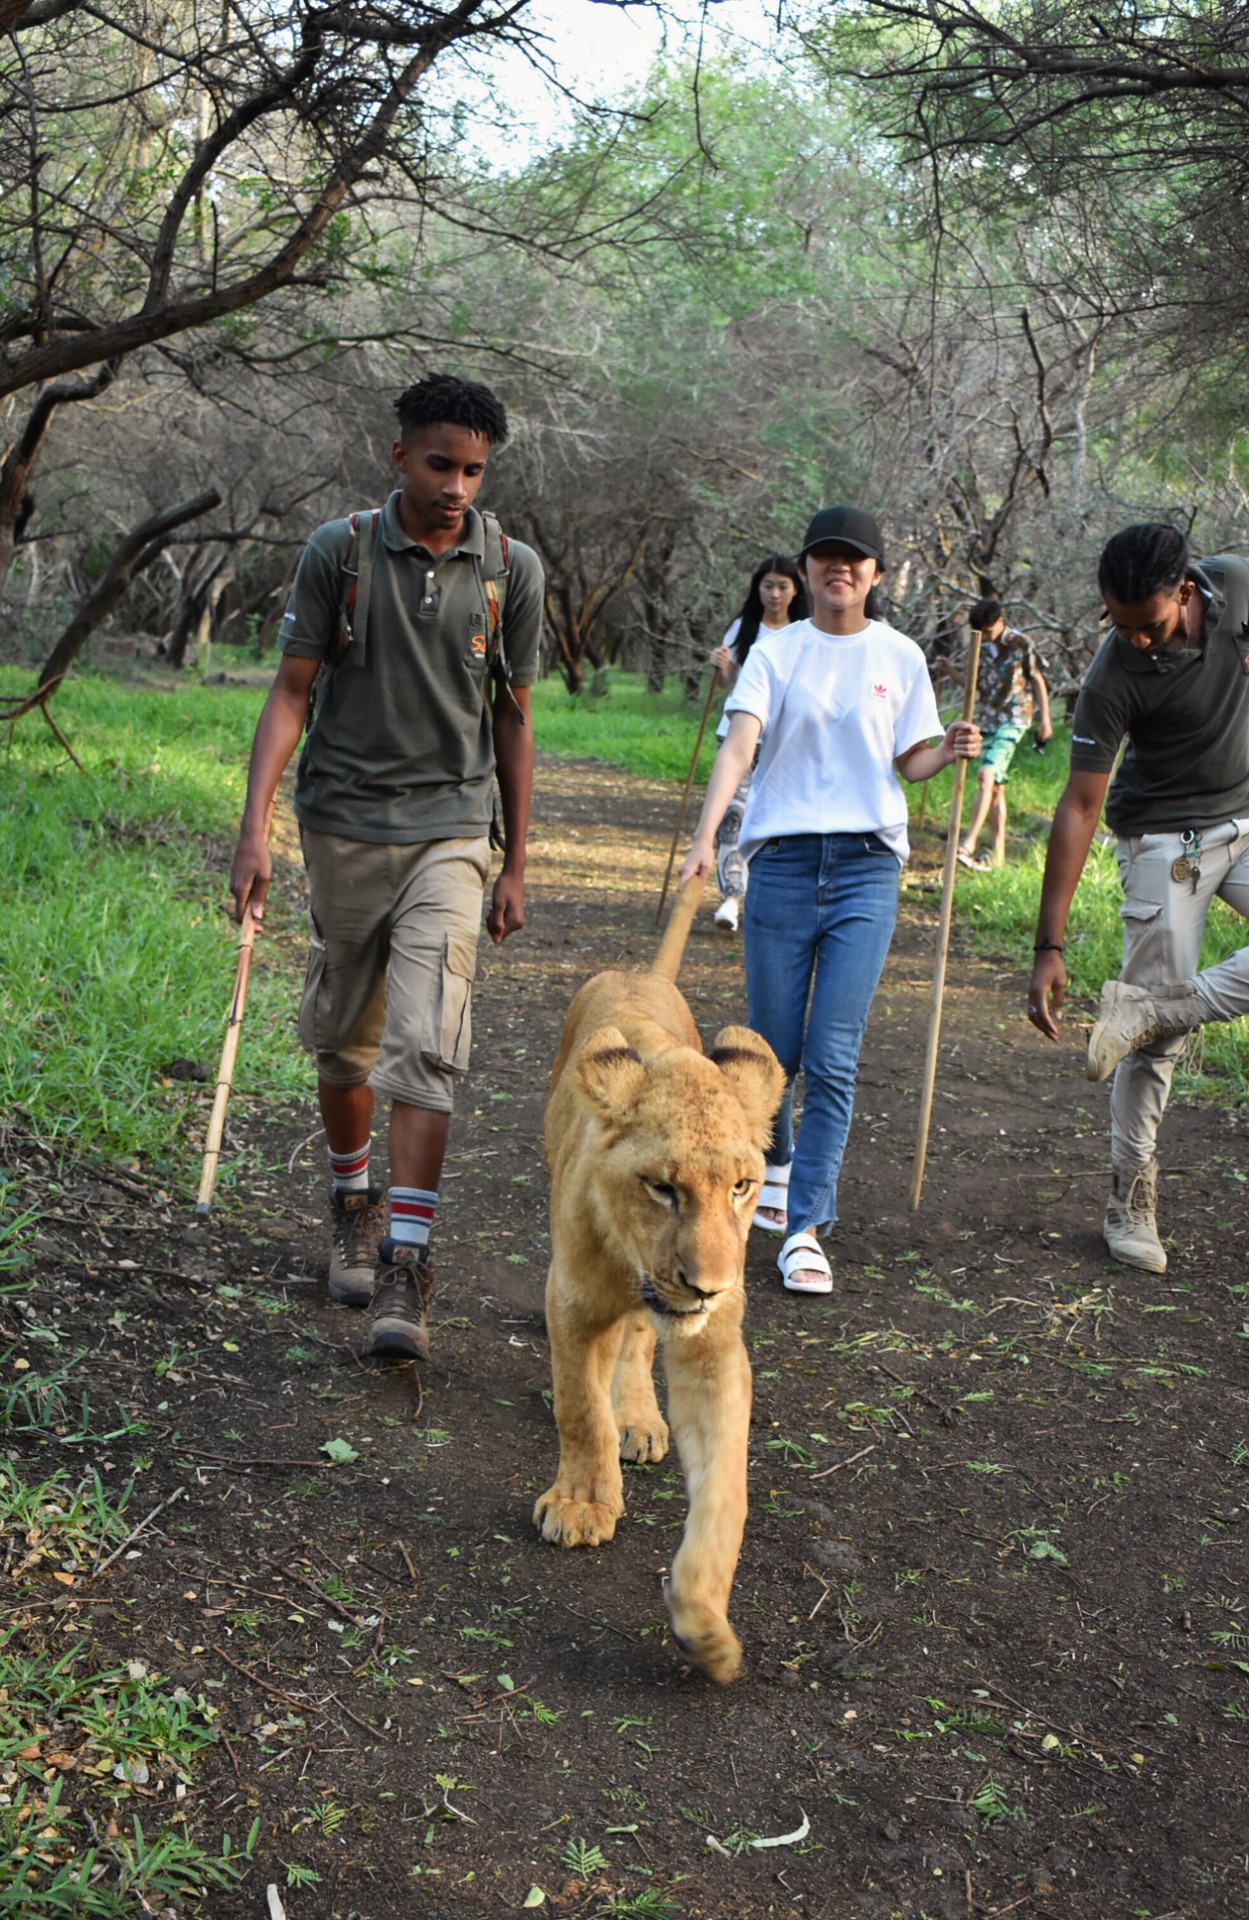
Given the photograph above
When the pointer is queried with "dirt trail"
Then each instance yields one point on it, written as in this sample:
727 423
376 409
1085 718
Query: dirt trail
993 1590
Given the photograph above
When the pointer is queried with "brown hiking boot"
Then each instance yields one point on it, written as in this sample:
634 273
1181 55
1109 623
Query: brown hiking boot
356 1222
1130 1228
398 1312
1131 1017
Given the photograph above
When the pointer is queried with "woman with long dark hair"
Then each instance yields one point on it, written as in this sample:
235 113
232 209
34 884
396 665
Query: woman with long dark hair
775 597
838 705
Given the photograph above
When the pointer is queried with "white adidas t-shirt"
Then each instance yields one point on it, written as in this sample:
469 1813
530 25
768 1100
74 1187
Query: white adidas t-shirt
836 711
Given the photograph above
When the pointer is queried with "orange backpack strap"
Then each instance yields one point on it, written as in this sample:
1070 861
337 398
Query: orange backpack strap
495 569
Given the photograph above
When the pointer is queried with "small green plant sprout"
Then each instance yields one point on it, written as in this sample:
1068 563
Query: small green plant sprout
582 1859
326 1815
794 1454
741 1840
652 1903
297 1876
442 1809
1034 1544
35 1402
992 1803
965 1720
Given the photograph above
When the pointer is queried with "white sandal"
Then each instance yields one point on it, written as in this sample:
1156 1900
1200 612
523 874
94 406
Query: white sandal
774 1194
804 1265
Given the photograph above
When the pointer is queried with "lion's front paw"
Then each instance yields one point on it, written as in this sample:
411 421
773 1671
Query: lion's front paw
642 1440
575 1523
706 1639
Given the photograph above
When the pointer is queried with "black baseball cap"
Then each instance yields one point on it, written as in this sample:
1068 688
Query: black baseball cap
851 526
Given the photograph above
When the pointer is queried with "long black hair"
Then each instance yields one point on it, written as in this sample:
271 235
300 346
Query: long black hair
751 615
1141 560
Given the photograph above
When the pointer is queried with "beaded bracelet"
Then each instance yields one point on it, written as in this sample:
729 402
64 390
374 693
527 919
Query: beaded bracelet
1048 946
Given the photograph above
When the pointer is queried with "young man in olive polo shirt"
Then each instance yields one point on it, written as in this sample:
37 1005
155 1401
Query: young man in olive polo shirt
423 698
1172 677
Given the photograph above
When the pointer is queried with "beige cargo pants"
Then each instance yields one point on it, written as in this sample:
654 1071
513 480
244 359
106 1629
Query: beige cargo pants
1163 922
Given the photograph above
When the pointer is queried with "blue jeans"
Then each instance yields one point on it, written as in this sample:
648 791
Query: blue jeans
820 908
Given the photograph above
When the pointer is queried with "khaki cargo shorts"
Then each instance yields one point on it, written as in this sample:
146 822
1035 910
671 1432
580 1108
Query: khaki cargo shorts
388 995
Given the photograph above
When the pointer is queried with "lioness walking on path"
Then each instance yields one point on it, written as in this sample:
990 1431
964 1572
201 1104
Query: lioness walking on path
1172 677
656 1156
415 629
839 705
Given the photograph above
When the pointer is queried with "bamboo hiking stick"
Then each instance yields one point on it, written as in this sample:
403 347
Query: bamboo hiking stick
225 1072
685 797
943 934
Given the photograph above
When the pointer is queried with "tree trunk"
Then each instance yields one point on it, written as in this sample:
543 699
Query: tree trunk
20 456
139 548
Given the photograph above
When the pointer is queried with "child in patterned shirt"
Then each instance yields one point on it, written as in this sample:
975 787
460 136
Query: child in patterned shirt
1010 688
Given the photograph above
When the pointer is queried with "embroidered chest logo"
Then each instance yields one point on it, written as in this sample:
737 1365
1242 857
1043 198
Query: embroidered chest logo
881 692
477 645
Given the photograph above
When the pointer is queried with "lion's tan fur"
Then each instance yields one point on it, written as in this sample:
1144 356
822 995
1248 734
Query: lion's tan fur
656 1155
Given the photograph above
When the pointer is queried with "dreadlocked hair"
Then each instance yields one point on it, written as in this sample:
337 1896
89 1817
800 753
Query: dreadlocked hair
444 397
1141 561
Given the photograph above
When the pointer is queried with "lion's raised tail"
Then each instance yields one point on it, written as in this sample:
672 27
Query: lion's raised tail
667 961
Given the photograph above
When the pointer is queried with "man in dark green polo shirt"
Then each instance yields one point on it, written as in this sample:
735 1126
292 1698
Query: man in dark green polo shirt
421 692
1172 677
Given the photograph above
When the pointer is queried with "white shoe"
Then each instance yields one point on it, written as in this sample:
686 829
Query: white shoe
726 914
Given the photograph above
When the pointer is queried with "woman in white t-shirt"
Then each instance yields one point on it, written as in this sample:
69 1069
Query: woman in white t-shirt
774 597
838 706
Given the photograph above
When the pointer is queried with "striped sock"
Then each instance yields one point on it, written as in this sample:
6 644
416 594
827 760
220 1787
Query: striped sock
411 1215
350 1171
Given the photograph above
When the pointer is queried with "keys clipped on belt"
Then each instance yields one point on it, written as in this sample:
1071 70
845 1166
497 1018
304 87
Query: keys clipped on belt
1188 866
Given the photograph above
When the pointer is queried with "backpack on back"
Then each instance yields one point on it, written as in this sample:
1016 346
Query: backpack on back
356 577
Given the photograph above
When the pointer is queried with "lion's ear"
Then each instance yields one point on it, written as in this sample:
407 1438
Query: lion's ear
609 1073
755 1075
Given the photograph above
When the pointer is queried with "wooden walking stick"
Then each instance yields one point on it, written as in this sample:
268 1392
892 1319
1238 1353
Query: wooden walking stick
943 933
225 1072
685 797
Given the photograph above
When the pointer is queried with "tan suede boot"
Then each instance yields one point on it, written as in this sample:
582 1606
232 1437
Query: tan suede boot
1130 1228
357 1221
1132 1017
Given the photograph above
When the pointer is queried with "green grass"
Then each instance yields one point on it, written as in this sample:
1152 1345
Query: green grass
115 953
77 1743
61 1721
652 734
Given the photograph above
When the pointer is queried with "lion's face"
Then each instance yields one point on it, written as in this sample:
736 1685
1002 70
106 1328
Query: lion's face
678 1176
